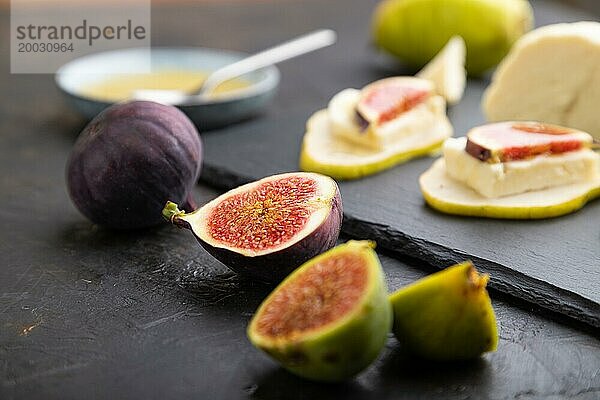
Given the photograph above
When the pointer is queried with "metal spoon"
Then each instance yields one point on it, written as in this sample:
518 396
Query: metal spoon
290 49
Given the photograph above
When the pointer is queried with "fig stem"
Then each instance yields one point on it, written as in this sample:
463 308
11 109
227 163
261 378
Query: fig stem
172 213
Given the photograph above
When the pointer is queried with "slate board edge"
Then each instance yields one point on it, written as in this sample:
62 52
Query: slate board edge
503 278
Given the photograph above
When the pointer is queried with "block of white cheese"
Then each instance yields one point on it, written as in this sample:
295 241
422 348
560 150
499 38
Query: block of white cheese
425 120
552 74
494 180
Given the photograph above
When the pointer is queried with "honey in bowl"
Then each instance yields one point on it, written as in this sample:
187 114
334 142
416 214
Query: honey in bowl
120 87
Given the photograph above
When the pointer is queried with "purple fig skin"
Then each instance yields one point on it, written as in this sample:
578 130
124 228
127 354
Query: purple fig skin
129 160
274 267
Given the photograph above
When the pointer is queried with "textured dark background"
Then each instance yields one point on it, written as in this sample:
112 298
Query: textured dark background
91 313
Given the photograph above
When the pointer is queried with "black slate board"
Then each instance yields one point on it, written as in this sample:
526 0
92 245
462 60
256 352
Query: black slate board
553 263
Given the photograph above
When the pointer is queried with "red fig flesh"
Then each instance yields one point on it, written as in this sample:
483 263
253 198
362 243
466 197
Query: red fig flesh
511 141
386 99
339 281
269 227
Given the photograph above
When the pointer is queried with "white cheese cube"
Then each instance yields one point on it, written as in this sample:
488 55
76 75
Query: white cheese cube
424 120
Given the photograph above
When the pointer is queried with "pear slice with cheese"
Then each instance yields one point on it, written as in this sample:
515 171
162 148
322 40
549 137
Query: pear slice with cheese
447 70
451 196
326 153
552 74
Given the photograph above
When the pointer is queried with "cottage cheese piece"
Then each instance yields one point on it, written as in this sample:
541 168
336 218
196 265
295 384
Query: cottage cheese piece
425 120
513 177
552 74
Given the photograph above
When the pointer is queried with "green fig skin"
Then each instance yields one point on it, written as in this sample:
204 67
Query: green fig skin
416 30
446 316
345 347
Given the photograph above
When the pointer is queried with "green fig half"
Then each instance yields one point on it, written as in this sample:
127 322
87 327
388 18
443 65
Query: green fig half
330 318
447 315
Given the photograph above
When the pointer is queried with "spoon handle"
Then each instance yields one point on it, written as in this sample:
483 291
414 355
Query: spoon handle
290 49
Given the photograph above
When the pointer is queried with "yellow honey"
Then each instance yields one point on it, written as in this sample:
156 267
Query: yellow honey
120 87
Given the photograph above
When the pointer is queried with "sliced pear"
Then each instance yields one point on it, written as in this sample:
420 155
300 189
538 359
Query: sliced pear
447 315
447 70
452 197
341 159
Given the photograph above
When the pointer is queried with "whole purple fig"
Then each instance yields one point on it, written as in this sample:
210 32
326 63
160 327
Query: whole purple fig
129 160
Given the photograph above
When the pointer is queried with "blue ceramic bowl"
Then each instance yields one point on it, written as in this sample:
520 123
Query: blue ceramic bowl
217 112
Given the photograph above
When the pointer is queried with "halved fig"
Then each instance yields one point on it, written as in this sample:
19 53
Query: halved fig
511 141
387 99
330 318
447 315
267 228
